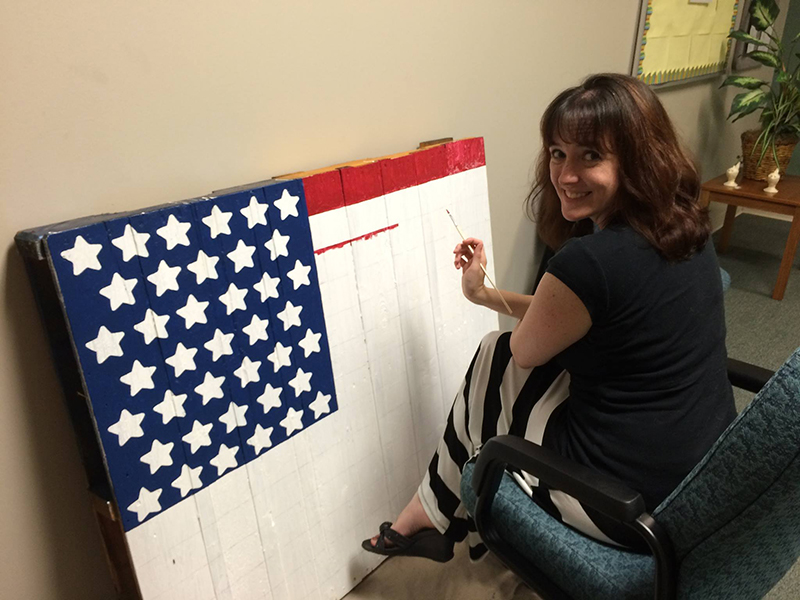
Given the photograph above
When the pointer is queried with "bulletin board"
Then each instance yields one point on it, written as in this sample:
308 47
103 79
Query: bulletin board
681 40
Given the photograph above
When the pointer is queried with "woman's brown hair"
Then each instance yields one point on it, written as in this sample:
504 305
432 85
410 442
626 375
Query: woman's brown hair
658 182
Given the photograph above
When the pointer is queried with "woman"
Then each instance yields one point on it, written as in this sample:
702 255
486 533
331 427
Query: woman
618 360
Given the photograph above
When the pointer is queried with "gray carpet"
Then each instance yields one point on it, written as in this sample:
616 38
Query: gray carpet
760 330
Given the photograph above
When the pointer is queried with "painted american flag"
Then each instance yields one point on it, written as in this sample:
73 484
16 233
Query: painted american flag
201 337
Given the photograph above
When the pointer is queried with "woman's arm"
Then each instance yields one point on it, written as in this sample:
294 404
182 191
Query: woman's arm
556 319
473 281
552 319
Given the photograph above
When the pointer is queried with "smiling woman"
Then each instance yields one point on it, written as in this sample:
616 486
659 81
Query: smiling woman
618 359
586 180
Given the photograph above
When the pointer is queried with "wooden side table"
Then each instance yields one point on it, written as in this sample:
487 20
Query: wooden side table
750 194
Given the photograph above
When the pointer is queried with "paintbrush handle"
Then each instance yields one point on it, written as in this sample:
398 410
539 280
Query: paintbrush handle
486 273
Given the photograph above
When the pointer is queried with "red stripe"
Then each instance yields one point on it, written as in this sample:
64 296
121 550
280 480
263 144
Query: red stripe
350 185
361 183
323 192
366 236
398 173
431 164
465 154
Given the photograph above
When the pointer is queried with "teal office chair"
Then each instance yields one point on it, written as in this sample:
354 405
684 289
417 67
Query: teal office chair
730 530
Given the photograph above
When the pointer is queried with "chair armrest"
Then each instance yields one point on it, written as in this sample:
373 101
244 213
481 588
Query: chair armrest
601 492
747 376
594 489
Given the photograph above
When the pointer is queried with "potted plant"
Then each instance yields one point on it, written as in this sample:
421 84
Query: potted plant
779 101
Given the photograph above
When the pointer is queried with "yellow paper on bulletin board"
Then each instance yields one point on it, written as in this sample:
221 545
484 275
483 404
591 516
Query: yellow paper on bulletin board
681 39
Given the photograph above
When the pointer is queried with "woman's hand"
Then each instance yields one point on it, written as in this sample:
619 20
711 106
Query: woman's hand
472 278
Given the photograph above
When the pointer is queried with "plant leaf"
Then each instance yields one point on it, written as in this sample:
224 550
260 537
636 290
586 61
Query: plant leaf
763 13
743 113
748 83
747 38
747 101
765 58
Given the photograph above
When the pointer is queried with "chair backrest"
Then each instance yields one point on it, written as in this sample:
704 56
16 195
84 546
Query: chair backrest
735 519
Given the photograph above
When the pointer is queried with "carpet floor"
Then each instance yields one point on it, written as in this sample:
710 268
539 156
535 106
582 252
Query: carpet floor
760 330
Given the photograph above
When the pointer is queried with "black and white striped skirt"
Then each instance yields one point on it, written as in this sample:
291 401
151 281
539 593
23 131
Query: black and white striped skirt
498 397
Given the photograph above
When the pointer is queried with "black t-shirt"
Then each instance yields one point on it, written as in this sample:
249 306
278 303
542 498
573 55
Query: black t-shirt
649 392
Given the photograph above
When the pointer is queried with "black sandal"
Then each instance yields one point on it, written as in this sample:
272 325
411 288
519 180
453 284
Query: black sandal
427 543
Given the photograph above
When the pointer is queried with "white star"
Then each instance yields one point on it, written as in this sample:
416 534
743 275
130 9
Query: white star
210 388
165 278
189 480
293 421
277 245
233 299
182 360
248 371
320 404
193 311
219 345
287 205
139 378
198 436
301 382
174 232
205 267
83 255
171 406
106 344
234 417
261 438
217 222
242 256
256 213
271 398
310 343
290 315
119 291
159 456
299 275
257 330
225 459
129 426
132 243
146 504
152 326
280 357
267 286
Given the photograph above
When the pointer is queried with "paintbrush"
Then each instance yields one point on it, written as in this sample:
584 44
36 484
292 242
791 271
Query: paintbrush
458 229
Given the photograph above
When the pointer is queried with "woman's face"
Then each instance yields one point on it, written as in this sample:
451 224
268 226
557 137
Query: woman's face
586 179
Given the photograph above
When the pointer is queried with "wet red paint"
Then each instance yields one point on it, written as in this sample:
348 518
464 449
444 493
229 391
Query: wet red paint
366 236
464 155
361 183
431 163
323 192
398 173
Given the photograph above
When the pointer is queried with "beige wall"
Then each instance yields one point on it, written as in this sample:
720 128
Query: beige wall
114 105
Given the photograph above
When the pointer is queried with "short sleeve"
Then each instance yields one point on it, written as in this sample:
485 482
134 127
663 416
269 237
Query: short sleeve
577 267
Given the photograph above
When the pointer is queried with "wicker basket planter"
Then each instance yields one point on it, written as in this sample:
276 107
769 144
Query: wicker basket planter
784 146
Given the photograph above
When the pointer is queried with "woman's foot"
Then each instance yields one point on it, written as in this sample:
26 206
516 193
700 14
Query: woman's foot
411 520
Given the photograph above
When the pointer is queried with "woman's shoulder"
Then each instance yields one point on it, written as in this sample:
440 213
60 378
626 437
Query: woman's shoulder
611 240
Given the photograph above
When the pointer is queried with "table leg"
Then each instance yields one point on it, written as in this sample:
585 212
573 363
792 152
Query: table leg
727 229
788 257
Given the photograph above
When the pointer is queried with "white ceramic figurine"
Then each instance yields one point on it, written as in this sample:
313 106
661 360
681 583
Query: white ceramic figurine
772 180
732 174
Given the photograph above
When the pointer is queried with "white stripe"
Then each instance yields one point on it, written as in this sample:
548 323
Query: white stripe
544 407
478 386
572 513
